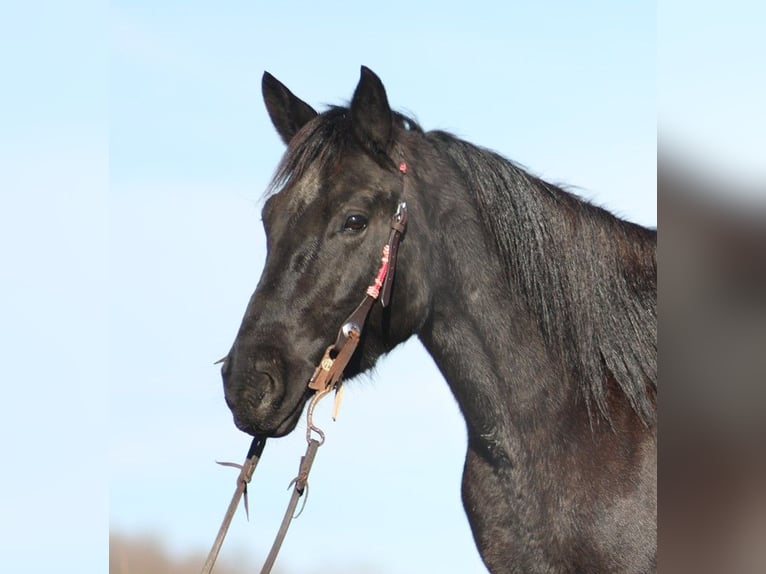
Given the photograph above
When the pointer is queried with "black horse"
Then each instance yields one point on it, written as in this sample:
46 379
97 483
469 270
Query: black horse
538 308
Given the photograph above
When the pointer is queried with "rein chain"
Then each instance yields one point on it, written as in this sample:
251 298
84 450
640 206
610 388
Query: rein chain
327 377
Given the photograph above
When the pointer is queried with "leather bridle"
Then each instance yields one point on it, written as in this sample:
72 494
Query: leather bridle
327 377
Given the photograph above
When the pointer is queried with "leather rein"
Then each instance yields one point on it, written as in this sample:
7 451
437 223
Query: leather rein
327 377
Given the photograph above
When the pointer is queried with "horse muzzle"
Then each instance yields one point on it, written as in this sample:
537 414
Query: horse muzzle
259 398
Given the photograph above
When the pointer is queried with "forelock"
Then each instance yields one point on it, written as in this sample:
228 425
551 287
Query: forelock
317 147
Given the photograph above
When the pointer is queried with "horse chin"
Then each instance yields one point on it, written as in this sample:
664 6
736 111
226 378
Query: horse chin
279 425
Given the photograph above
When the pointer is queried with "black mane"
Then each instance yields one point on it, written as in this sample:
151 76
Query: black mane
588 277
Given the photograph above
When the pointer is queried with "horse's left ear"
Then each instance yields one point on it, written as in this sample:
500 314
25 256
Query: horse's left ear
371 115
288 113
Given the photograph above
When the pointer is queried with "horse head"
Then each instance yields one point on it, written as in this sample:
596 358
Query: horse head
326 220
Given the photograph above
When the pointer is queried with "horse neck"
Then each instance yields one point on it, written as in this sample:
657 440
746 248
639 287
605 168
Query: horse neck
512 383
508 384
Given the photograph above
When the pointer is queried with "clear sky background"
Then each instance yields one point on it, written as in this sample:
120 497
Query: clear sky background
136 149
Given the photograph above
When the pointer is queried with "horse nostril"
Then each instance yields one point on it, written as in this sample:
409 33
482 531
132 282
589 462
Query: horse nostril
269 371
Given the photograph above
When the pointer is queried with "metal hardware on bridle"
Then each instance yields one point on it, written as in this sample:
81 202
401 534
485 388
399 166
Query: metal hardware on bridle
327 377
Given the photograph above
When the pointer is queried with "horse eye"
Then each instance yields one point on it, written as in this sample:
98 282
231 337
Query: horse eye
355 223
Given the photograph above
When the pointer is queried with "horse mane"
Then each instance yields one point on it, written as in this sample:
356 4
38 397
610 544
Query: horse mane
587 277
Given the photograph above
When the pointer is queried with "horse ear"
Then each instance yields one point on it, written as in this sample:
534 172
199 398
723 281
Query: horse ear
288 113
371 115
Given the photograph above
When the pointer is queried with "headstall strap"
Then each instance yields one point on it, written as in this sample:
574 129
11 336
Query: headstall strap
326 378
398 227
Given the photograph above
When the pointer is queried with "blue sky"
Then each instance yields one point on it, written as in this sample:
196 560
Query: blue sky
53 249
712 87
135 152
